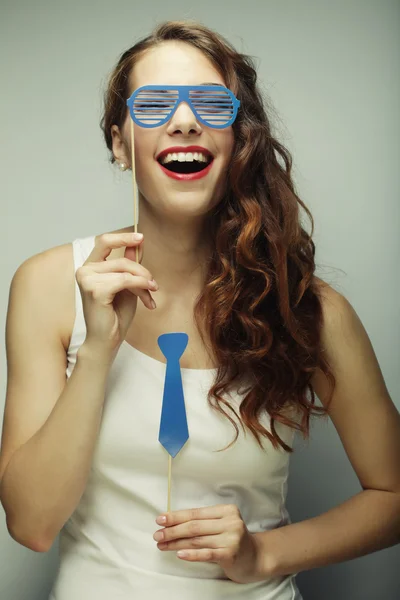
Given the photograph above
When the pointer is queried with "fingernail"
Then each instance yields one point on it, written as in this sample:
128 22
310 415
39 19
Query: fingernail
154 305
161 520
137 236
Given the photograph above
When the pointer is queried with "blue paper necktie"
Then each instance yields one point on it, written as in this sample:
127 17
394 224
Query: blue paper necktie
173 425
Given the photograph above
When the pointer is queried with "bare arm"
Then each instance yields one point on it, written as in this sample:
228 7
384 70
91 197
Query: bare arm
50 424
368 424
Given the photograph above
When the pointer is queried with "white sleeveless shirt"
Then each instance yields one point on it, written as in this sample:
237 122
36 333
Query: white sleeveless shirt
107 550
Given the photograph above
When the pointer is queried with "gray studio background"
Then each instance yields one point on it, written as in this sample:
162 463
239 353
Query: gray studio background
331 71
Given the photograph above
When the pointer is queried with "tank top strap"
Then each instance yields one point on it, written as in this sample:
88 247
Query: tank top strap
81 248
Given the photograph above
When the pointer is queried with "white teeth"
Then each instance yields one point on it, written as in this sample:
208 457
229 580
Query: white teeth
184 157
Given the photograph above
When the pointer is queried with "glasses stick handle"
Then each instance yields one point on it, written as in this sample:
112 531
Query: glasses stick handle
135 195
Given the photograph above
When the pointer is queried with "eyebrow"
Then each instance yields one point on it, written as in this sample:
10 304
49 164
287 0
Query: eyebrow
165 91
208 83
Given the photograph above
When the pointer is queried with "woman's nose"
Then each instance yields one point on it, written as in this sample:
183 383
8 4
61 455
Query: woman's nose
184 119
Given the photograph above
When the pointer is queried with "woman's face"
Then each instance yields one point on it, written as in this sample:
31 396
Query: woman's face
178 63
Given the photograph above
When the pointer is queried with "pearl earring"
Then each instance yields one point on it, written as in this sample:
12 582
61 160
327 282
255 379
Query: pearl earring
122 166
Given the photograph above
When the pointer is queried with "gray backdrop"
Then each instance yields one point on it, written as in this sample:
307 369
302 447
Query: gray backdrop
331 71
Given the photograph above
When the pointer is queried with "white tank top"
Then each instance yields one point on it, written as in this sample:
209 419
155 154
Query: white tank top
107 550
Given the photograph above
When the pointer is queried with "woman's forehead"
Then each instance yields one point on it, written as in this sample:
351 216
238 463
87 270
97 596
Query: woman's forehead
174 64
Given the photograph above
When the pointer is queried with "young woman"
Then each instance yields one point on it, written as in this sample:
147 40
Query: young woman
235 271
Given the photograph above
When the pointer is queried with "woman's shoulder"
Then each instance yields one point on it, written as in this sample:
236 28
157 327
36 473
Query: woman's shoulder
53 271
320 283
325 291
48 267
48 271
58 261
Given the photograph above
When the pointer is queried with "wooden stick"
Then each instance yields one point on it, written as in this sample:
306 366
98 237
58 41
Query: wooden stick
135 195
169 482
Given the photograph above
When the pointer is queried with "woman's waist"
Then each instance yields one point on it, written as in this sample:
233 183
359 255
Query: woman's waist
102 570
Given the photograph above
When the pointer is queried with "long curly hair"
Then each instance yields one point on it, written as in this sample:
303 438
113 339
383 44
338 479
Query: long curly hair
260 309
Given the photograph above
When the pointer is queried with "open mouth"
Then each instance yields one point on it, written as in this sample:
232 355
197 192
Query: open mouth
186 167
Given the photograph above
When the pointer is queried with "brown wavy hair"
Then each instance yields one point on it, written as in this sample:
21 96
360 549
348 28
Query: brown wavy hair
260 307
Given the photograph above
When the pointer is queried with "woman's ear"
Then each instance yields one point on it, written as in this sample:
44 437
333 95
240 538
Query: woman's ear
119 147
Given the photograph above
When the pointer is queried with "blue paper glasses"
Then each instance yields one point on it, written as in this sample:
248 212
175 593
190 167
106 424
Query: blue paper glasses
213 105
